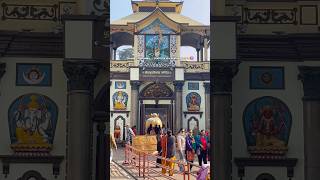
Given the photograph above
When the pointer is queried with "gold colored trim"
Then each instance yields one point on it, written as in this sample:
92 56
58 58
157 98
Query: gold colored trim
136 4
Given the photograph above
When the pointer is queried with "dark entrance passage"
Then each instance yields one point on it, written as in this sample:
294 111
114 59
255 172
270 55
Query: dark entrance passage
164 111
161 101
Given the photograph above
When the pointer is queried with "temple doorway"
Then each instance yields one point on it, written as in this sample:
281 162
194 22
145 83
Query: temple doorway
156 98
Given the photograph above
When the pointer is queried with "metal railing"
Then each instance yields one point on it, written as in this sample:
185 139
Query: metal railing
144 161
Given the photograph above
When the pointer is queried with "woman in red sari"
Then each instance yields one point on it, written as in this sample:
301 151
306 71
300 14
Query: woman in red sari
164 140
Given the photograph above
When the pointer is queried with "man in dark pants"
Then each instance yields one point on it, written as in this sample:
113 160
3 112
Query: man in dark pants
202 147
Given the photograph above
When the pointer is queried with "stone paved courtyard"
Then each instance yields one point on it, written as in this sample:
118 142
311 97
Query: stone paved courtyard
117 172
120 171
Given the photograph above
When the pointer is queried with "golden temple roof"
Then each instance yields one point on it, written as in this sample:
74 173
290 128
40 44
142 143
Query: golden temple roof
148 5
138 16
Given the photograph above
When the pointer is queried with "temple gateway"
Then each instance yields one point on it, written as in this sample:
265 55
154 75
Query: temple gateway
157 79
55 85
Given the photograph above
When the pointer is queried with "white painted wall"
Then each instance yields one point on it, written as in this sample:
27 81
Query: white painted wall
224 40
201 92
115 115
78 39
57 92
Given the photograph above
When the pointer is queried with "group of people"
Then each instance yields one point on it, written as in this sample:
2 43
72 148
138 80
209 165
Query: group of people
154 130
185 146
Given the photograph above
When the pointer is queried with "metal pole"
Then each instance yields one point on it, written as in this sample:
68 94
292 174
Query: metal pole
144 161
139 164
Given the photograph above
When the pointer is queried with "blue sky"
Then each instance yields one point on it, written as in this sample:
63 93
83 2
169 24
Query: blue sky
198 10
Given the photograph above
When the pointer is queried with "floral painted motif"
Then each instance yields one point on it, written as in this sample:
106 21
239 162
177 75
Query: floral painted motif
173 46
140 46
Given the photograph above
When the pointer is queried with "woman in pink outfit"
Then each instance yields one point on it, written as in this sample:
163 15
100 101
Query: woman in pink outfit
203 172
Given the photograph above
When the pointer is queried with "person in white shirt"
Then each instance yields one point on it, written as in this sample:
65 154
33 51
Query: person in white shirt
181 146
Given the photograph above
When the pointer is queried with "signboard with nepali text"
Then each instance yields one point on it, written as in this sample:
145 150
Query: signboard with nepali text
156 74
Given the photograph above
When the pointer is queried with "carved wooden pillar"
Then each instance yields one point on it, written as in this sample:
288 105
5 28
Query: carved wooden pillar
205 43
198 53
207 103
80 82
101 147
223 72
134 118
178 108
310 77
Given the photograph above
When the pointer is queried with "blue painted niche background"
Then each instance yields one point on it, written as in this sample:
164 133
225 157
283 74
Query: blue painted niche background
253 114
36 108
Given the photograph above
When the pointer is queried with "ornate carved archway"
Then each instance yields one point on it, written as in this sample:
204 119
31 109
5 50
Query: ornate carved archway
156 91
265 176
31 175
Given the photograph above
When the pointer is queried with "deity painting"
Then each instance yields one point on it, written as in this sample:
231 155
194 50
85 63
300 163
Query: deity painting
193 101
157 40
33 74
267 122
266 77
157 46
120 100
32 121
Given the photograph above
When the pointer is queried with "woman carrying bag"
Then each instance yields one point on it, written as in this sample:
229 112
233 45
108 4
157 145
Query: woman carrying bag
190 147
